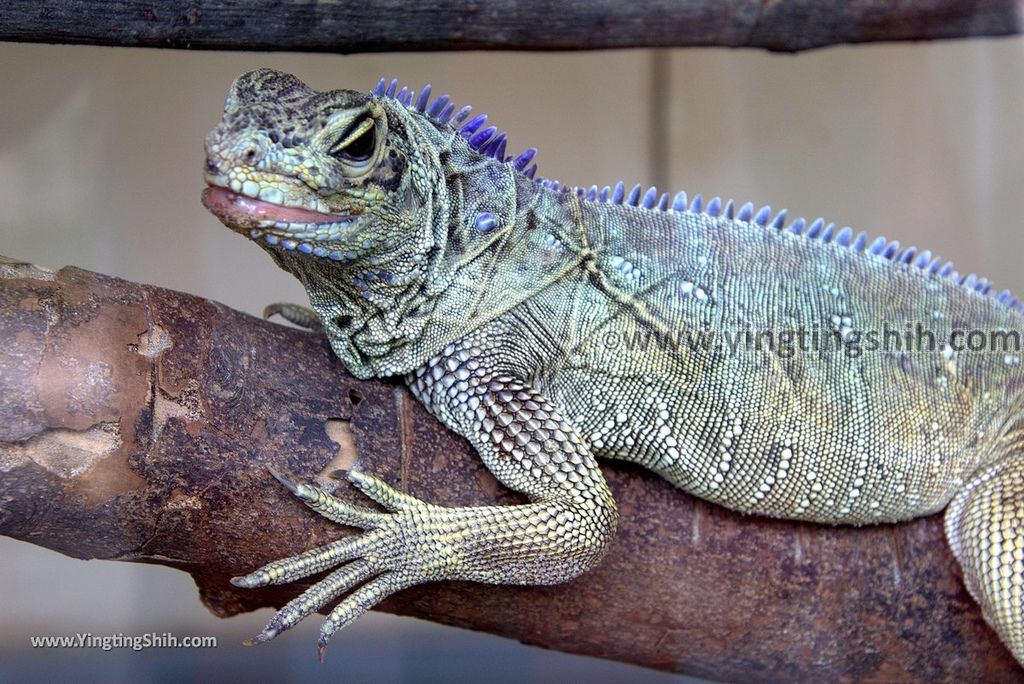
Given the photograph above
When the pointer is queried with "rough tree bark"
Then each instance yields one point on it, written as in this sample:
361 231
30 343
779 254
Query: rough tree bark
136 424
399 25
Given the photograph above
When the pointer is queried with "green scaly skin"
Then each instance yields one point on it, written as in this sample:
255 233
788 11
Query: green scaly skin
519 334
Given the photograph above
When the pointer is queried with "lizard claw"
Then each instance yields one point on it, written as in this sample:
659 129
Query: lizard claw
289 483
246 582
267 634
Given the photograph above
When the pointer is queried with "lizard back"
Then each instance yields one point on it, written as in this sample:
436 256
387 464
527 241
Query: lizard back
827 388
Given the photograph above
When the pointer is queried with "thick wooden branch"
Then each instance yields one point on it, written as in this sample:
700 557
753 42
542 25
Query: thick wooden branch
398 25
136 424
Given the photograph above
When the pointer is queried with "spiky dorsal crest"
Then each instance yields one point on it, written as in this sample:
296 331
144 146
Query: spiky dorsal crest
489 142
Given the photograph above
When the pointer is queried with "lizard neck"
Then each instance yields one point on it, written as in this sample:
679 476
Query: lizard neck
496 239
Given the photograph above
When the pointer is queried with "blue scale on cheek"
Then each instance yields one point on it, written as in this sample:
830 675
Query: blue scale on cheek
305 248
485 222
319 251
271 239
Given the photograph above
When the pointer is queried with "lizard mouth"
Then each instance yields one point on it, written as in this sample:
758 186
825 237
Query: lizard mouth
298 228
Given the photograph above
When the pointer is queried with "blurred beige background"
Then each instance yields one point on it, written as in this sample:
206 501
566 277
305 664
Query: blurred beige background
100 158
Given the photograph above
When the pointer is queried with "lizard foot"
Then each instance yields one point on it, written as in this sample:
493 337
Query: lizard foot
379 562
302 316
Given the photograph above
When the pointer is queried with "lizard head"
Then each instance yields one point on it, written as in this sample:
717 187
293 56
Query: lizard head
375 201
318 179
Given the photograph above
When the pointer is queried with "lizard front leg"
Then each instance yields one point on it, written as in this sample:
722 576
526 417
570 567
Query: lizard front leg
299 315
525 441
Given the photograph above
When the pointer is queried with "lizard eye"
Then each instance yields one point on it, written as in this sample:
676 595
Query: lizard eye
358 144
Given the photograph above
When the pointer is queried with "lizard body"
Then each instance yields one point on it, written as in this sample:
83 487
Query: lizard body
553 325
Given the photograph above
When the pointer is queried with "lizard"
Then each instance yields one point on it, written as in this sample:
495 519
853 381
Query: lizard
510 304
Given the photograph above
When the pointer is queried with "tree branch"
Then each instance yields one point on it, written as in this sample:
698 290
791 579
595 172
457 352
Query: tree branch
398 25
136 424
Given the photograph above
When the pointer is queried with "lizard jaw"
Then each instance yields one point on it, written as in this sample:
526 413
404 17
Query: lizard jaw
291 227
